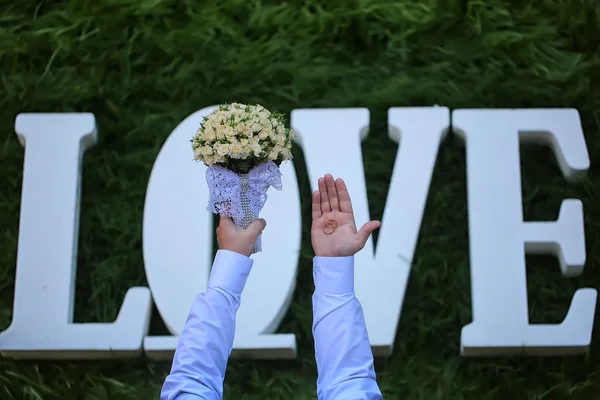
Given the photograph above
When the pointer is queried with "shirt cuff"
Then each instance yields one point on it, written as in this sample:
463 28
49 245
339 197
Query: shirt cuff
334 275
230 270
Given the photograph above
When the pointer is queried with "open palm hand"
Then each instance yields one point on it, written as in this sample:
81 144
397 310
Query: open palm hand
332 203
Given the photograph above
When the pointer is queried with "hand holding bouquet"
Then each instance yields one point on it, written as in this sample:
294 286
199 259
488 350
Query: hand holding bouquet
243 146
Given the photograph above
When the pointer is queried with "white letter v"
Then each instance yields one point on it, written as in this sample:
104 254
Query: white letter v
331 140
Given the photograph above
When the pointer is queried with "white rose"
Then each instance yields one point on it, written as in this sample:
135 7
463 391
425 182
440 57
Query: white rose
198 153
256 127
230 134
235 150
223 149
292 134
256 149
209 135
207 151
209 160
244 142
246 151
263 134
245 131
280 139
274 154
220 133
286 154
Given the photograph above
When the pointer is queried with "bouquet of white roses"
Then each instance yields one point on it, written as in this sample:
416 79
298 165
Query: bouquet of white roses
243 146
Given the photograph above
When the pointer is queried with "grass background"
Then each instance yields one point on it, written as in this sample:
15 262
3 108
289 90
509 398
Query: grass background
141 66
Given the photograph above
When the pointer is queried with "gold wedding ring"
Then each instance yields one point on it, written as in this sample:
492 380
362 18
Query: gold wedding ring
330 226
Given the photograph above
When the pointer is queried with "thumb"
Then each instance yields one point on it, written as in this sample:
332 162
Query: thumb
364 232
256 227
225 221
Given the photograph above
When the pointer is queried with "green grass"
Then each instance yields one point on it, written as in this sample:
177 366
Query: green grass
141 66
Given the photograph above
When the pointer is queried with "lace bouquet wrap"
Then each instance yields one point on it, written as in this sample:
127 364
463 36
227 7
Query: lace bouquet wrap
242 146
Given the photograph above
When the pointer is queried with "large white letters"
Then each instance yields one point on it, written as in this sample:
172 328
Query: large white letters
178 235
331 139
42 326
499 238
178 242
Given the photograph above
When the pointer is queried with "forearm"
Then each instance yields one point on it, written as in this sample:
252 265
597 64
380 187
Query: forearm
342 347
205 343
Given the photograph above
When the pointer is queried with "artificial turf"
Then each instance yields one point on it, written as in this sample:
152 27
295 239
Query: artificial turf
141 66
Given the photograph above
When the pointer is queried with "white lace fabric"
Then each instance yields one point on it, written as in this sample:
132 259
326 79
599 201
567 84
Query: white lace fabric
226 190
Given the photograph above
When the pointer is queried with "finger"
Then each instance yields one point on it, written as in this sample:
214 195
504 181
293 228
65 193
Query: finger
343 196
225 221
255 228
325 206
316 205
366 230
334 202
